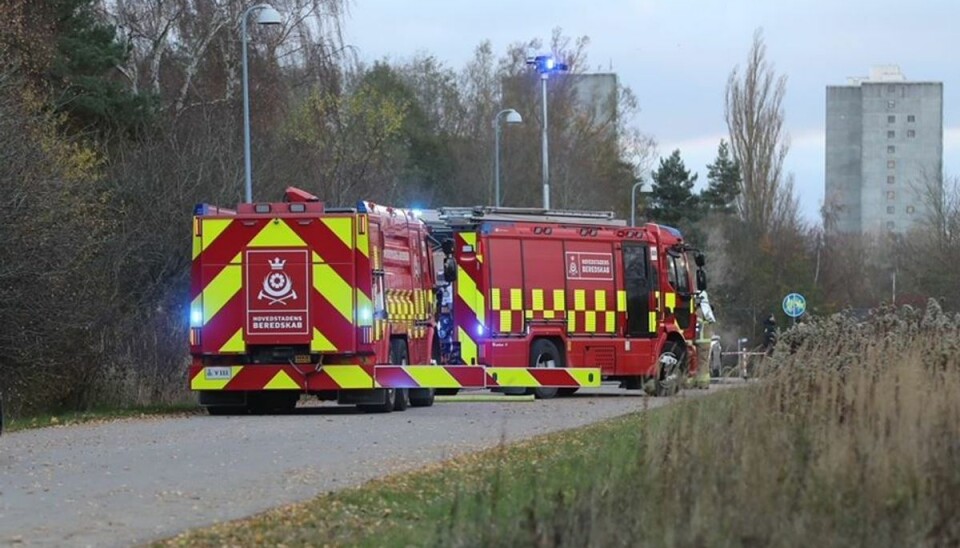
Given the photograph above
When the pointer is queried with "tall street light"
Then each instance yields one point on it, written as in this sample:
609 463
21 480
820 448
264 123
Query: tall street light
267 16
545 64
512 117
633 202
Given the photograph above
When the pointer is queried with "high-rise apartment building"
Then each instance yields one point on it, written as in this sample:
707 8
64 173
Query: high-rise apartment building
884 150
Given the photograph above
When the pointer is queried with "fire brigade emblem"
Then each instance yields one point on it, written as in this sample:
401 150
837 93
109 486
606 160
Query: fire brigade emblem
573 271
277 285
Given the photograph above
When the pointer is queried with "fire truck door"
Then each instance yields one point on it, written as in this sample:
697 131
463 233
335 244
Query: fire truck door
638 285
679 277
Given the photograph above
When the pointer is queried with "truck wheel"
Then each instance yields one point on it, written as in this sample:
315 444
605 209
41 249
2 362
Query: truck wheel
389 402
399 355
671 370
422 397
544 353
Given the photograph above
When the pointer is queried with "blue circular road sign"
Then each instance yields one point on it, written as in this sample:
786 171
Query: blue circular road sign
794 305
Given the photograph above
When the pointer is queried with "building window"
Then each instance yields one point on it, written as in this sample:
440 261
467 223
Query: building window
891 179
890 225
891 119
910 210
911 118
891 195
891 134
891 104
891 164
891 89
890 210
891 149
911 133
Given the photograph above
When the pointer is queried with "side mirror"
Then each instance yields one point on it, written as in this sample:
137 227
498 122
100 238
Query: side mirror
449 269
447 246
701 280
700 259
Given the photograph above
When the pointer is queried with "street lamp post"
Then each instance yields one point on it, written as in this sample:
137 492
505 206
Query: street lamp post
267 16
513 117
545 64
633 202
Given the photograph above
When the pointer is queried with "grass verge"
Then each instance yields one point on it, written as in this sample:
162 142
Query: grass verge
852 439
97 415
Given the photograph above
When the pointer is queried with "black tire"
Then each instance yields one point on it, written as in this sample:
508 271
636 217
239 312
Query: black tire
422 397
226 410
671 372
401 400
544 353
389 402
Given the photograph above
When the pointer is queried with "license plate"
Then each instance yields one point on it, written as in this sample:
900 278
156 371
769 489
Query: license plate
217 373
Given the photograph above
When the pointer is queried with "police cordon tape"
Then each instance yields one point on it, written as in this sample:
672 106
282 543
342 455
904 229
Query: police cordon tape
358 377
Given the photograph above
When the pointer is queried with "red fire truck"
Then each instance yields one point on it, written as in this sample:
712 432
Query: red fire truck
297 298
566 289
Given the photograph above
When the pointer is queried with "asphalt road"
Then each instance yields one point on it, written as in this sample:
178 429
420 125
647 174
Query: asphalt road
132 481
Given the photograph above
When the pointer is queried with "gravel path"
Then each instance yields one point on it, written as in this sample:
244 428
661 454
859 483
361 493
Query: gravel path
132 481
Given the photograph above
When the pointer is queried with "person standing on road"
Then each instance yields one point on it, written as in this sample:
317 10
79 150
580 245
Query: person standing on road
769 333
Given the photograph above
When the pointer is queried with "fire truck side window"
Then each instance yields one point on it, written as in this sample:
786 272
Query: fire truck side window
683 277
638 288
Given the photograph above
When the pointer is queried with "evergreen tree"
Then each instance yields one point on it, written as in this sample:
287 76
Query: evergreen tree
672 201
724 180
83 73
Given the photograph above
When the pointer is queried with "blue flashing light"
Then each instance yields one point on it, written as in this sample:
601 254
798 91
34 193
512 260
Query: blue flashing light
366 316
417 213
196 318
480 330
362 207
200 209
549 63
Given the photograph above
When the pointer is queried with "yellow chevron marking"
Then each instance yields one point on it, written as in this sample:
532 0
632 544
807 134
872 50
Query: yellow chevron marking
349 376
653 321
470 238
495 298
363 240
200 382
513 376
282 381
621 301
321 343
670 300
235 344
220 290
467 290
600 299
276 233
579 299
342 227
329 284
537 298
211 229
468 348
432 376
588 377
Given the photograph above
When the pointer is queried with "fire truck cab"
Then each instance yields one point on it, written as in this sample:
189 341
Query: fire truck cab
569 289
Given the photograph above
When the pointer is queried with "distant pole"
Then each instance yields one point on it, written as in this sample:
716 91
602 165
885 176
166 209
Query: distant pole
268 16
633 202
513 117
545 146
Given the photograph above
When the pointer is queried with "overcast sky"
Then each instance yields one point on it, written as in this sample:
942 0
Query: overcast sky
676 56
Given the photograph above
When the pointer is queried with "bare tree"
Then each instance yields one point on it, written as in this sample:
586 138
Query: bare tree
754 115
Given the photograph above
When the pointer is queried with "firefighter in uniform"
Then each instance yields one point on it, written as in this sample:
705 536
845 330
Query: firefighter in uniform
708 344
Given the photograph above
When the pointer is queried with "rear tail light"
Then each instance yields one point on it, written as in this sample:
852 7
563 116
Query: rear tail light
194 336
